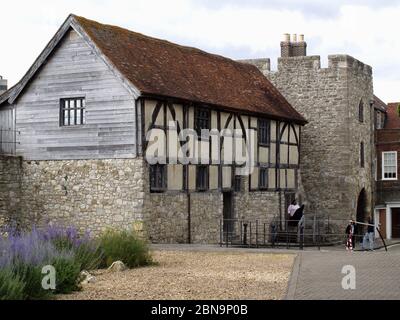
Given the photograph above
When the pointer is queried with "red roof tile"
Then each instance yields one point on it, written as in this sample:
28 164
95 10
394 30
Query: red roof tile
393 116
158 67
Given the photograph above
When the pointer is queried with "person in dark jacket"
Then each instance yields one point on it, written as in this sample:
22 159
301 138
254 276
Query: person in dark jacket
371 233
350 235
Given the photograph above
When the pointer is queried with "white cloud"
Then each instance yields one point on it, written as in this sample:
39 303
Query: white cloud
369 33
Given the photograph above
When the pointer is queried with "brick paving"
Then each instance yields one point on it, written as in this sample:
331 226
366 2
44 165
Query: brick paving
317 275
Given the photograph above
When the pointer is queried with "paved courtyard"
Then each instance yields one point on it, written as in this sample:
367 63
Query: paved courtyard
318 275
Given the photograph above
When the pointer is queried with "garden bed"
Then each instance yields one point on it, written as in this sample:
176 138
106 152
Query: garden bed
195 275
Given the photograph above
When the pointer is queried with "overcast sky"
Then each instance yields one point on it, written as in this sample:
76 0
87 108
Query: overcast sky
367 30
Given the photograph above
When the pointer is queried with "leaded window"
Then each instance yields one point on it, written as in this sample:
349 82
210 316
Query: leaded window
72 111
263 131
238 183
202 178
202 120
158 179
263 178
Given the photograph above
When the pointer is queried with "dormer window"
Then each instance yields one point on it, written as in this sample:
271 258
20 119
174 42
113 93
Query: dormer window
72 111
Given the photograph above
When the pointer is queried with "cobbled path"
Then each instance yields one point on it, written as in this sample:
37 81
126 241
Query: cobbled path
318 275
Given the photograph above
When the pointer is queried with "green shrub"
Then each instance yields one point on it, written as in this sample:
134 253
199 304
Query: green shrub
31 275
125 246
89 256
11 286
67 274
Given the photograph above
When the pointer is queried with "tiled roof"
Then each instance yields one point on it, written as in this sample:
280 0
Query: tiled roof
161 68
393 116
379 104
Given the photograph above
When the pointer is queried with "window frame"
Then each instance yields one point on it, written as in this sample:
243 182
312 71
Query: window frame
383 165
378 120
361 112
238 183
260 171
362 154
206 185
164 177
199 117
261 142
82 109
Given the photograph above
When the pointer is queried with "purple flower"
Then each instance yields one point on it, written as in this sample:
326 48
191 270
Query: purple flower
40 246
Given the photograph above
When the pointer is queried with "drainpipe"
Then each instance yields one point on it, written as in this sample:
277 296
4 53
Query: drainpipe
189 217
280 210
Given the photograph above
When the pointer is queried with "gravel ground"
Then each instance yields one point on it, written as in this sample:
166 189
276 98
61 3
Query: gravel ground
195 275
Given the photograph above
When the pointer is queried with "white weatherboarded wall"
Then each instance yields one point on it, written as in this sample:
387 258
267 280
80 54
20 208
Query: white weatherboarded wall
7 130
74 70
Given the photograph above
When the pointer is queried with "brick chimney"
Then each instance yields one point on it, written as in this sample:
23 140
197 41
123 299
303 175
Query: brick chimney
286 48
3 85
295 47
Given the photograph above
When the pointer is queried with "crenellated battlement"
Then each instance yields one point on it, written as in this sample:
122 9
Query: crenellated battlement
312 63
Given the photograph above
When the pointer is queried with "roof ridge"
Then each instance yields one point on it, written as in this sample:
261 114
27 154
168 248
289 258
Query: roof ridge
180 46
160 68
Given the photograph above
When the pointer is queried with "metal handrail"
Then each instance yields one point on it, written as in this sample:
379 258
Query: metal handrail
265 232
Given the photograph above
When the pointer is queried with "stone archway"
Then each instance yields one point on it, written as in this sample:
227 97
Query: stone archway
361 210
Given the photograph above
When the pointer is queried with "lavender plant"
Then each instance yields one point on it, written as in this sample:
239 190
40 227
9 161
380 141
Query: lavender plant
24 254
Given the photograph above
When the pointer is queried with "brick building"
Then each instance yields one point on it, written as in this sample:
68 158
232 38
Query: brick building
387 209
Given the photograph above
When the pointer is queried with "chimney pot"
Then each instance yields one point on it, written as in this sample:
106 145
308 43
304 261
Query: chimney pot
286 37
301 38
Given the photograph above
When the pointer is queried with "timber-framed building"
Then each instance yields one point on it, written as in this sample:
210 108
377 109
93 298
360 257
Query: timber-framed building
82 115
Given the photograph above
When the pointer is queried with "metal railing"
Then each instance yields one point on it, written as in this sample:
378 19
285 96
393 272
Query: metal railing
308 231
8 141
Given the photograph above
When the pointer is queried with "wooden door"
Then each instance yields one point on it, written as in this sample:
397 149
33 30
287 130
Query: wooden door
396 223
228 214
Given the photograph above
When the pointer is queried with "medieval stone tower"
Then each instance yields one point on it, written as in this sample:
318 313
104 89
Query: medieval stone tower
337 143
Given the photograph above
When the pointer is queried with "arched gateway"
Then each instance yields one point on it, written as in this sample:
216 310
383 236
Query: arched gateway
361 210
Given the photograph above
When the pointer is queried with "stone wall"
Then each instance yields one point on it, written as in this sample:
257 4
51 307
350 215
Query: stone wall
206 211
90 194
98 194
166 215
10 188
94 195
257 205
330 158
